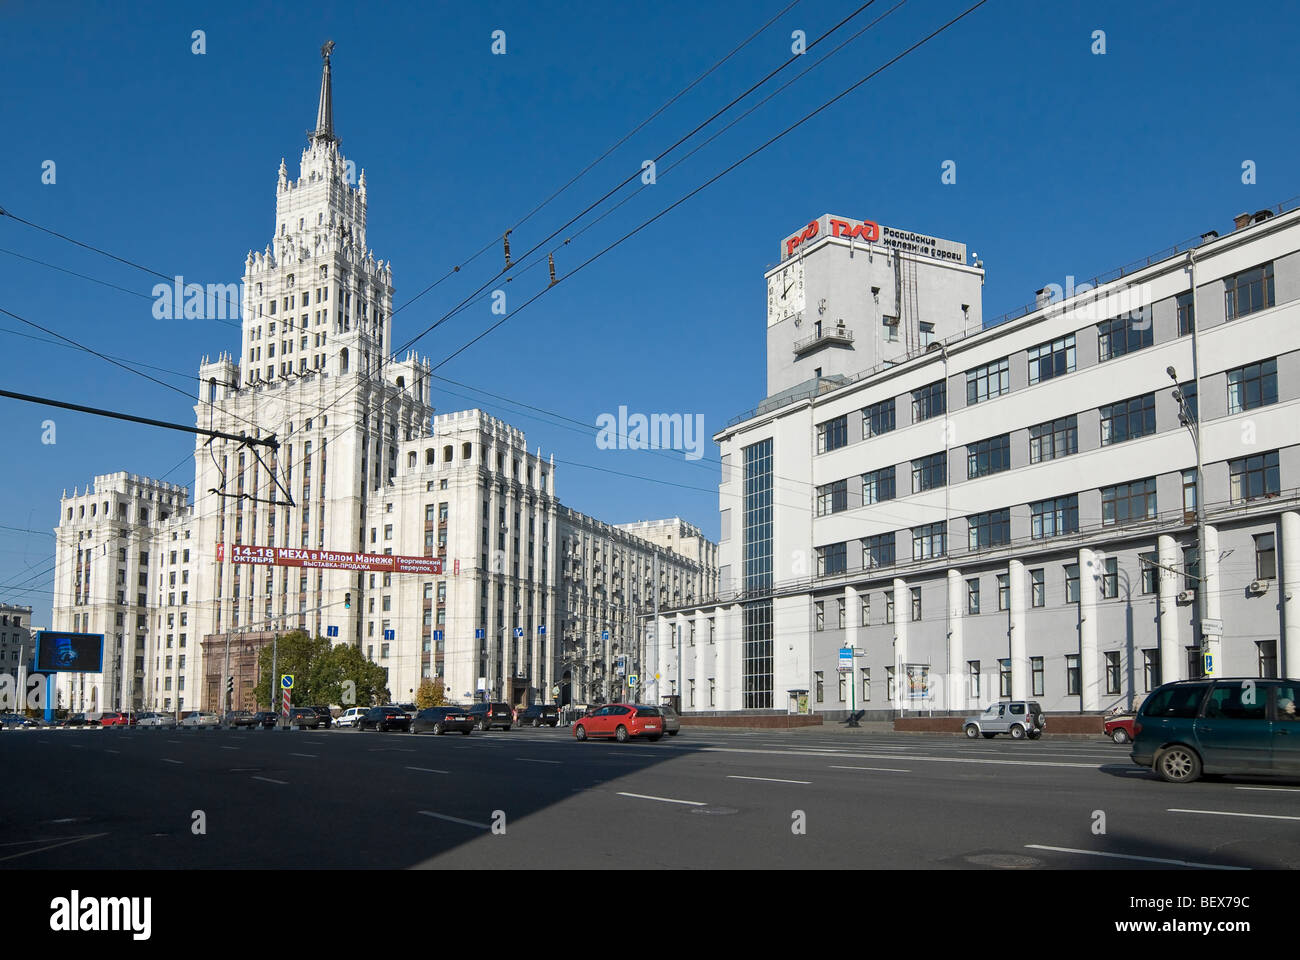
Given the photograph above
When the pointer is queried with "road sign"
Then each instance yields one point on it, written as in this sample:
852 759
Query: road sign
480 634
632 679
287 700
286 681
846 659
1209 664
1211 628
331 631
541 631
519 631
604 635
437 636
390 634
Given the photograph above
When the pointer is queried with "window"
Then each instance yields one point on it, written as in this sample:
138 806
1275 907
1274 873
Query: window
989 529
1054 439
1189 493
1191 568
1266 651
1112 671
916 604
878 485
988 456
890 685
1195 665
989 381
929 540
1248 291
973 679
821 686
1037 588
842 606
1036 673
832 434
1252 386
819 615
1072 674
1265 557
1128 502
866 610
1110 579
1186 313
878 551
1004 678
973 595
1004 591
1052 518
928 472
889 606
1188 392
1149 570
866 684
927 338
1052 359
832 497
1122 335
1151 669
1128 419
929 401
832 559
1253 477
878 418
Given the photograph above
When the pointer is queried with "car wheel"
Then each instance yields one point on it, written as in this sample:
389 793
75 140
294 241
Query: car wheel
482 726
1178 764
972 731
437 729
466 732
1017 732
580 732
1120 735
536 724
655 739
1035 734
621 734
989 736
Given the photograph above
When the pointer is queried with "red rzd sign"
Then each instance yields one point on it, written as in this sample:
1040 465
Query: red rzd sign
330 559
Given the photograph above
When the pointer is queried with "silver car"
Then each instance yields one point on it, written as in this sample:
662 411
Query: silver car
672 723
201 720
163 720
1020 718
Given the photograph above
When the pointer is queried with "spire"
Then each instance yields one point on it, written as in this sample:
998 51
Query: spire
325 110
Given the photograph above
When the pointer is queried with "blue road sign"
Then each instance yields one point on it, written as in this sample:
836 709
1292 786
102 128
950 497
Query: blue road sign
286 681
604 635
331 631
437 635
541 631
480 634
390 634
519 631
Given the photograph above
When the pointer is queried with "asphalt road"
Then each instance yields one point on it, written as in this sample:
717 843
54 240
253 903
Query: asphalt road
114 798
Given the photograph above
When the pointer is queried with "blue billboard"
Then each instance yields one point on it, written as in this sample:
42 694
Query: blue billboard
59 652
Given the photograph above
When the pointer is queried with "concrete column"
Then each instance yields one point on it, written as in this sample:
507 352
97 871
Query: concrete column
701 646
953 691
1211 646
852 615
678 675
727 666
1289 591
1167 586
902 614
1018 637
1089 668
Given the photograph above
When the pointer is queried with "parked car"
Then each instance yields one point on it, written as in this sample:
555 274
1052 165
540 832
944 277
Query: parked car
1190 728
115 718
539 715
622 722
151 719
326 718
240 718
409 709
672 723
384 719
16 721
1120 728
304 718
201 719
441 720
1020 718
489 715
266 719
80 720
350 716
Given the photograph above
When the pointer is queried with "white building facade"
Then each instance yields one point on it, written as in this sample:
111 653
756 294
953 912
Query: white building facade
1011 513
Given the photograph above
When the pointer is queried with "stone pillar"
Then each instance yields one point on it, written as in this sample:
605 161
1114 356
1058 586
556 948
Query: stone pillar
1167 586
1016 632
902 613
1209 560
953 690
1289 591
1089 668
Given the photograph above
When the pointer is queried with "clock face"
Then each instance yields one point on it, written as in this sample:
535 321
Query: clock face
785 293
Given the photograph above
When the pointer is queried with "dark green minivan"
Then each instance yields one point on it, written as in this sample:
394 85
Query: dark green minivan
1243 726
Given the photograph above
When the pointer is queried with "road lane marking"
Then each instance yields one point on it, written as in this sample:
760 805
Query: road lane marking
1229 813
426 770
644 796
229 748
112 751
443 816
1275 789
61 843
311 755
269 780
732 776
531 760
173 741
165 760
883 769
1129 856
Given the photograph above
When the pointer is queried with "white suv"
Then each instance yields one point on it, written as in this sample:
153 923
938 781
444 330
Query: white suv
349 717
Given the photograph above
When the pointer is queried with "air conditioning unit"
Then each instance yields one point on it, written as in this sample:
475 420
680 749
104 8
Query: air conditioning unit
1257 587
1186 596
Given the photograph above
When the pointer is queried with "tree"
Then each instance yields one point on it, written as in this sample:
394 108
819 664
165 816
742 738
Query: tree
344 676
295 653
431 694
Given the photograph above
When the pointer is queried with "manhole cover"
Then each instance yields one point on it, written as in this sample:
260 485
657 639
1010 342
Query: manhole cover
1004 861
714 811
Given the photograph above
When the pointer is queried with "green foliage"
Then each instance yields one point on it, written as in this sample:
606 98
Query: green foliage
343 676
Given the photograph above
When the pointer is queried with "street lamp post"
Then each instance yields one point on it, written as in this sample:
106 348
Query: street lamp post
1191 420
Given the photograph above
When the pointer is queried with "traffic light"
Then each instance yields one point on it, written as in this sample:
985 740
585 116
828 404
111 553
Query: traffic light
347 601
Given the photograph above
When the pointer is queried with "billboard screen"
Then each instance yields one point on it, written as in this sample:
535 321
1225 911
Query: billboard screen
69 652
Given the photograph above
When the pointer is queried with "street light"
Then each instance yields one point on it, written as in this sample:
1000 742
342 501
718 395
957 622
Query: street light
1191 420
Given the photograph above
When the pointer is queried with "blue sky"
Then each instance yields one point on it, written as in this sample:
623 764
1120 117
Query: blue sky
1068 163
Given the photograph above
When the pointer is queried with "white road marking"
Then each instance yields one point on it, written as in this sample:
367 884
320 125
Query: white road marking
1129 856
426 770
767 779
112 751
173 741
229 748
1229 813
643 796
882 769
61 843
443 816
531 760
165 760
1275 789
269 780
311 755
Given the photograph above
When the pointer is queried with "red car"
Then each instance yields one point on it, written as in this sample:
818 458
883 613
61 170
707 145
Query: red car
622 721
113 718
1120 729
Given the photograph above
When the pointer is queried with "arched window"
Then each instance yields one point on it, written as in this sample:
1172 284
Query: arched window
212 390
410 460
429 458
466 451
401 383
446 454
343 360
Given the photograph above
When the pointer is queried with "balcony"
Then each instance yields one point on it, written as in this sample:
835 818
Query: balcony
839 335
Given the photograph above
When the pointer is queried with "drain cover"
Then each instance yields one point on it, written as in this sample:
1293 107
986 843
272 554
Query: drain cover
714 811
1004 861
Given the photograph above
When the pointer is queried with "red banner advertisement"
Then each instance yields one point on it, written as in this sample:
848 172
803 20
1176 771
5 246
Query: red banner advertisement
330 559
